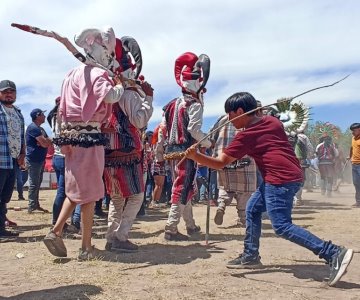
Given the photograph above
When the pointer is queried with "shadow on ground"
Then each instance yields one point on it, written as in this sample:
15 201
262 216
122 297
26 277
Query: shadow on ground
165 254
314 272
315 204
79 291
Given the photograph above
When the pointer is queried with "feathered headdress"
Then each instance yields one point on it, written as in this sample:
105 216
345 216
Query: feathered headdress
324 129
294 116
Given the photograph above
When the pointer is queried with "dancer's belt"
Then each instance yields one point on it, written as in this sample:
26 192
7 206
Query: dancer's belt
92 127
80 134
120 158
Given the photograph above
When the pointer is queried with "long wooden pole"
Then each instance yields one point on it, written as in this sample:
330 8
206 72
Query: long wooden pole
259 108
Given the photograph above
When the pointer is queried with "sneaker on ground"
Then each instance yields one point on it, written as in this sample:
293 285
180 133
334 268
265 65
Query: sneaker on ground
219 216
154 204
191 231
338 264
42 210
244 262
88 254
178 237
55 245
7 233
124 246
39 208
21 198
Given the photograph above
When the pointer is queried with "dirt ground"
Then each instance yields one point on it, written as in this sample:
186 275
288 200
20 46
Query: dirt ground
182 270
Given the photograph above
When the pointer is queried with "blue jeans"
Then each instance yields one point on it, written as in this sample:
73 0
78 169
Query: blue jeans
21 178
149 186
356 181
213 189
259 178
36 170
202 194
166 192
58 163
76 217
277 200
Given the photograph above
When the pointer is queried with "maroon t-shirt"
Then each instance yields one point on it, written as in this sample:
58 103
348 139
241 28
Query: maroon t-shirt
267 143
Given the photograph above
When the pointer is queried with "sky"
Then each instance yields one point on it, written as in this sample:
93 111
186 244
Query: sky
272 49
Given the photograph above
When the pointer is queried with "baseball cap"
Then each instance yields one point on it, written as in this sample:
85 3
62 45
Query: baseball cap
7 84
354 126
36 112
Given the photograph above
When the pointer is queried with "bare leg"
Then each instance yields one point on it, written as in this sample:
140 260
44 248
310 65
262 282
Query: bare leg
87 215
159 184
66 211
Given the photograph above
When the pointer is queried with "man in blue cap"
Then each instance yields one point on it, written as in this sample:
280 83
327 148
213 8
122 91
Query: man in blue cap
37 142
12 148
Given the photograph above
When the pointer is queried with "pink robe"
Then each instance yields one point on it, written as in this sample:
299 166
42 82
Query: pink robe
82 95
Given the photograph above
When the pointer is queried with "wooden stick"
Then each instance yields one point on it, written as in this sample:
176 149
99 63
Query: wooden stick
207 226
227 122
78 55
259 108
321 87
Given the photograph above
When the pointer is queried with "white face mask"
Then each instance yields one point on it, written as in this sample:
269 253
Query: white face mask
101 55
192 85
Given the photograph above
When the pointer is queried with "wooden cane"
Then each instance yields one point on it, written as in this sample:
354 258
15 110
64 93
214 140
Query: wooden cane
207 228
256 109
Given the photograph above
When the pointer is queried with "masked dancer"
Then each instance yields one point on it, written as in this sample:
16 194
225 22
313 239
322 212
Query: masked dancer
123 156
86 95
183 118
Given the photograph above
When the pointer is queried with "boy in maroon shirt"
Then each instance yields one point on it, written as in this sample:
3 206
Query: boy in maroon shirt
265 140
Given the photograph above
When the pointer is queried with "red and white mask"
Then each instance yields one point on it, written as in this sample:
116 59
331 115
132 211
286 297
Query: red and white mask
192 72
129 58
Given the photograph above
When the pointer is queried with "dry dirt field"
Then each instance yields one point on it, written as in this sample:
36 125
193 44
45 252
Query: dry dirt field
185 270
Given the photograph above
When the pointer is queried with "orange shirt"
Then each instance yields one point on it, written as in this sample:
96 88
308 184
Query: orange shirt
355 145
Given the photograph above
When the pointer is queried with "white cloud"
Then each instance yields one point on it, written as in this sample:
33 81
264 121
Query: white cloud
269 48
